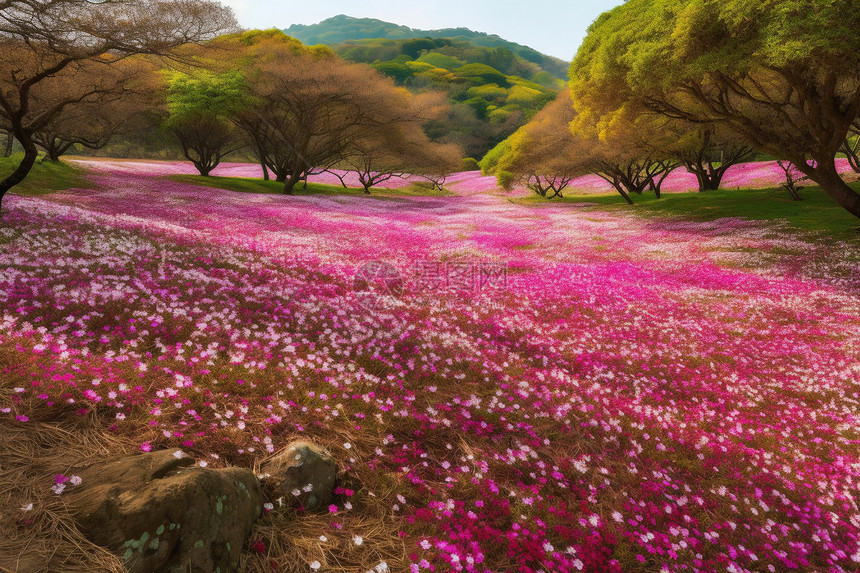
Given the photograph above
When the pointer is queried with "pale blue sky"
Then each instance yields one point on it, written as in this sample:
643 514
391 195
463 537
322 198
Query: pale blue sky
555 27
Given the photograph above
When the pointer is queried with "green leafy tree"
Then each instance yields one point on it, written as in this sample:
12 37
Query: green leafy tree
783 74
200 107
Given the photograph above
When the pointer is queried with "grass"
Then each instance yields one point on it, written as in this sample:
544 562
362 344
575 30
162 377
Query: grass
44 178
817 213
249 185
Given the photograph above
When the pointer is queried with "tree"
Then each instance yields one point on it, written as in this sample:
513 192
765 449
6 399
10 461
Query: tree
395 145
200 108
545 155
299 112
782 74
48 47
307 110
635 152
708 153
558 145
436 161
92 124
792 178
629 174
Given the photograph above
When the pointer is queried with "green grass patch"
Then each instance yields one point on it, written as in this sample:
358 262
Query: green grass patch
249 185
817 213
44 178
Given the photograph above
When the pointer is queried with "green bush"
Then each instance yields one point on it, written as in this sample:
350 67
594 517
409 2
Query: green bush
491 159
505 179
470 164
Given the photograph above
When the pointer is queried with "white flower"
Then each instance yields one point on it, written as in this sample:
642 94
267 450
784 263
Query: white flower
268 506
357 539
202 464
323 538
58 488
347 505
178 454
28 507
308 488
296 492
75 480
316 565
347 445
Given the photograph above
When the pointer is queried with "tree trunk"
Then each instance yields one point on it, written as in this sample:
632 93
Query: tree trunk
30 154
291 181
9 139
624 194
713 182
826 175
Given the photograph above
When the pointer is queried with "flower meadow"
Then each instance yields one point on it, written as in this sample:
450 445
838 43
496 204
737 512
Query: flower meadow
548 389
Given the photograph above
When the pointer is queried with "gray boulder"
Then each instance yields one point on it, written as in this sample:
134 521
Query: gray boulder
303 474
161 513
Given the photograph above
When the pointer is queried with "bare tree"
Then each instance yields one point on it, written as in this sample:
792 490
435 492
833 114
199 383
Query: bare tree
47 48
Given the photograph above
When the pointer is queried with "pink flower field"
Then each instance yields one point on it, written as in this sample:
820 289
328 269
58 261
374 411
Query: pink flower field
529 389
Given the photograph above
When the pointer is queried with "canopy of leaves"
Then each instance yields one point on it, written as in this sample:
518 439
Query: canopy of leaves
204 93
683 53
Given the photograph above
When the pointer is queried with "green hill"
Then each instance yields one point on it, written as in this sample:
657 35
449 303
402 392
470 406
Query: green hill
494 86
341 29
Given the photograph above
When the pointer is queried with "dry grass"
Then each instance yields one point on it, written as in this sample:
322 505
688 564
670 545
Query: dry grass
45 538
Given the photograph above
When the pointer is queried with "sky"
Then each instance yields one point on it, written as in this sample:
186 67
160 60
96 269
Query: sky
554 27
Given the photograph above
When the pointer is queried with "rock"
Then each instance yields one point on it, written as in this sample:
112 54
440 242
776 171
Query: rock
160 514
303 473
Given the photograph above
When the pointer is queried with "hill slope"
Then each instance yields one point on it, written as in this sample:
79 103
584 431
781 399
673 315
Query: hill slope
340 29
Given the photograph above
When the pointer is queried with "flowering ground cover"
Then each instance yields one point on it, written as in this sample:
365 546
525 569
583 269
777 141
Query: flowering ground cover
523 388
